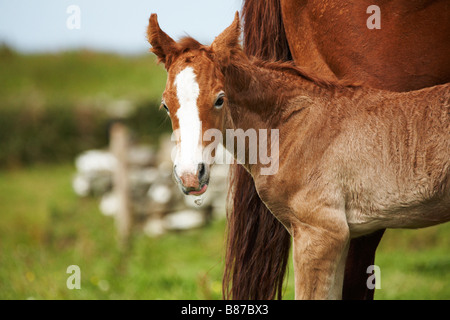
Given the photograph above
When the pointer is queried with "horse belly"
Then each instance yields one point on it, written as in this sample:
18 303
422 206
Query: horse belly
397 178
416 213
361 224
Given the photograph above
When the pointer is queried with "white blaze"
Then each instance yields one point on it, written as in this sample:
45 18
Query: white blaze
189 153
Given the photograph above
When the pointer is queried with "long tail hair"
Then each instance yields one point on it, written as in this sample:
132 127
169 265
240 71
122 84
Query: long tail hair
258 245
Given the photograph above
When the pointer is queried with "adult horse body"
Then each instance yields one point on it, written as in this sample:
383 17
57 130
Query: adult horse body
331 39
351 160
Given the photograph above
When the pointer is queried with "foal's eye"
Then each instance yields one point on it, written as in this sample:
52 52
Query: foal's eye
219 101
165 106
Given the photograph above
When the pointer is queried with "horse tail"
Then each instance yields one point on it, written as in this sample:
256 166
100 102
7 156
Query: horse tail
258 244
264 34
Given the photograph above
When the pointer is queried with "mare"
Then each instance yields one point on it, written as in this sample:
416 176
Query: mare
351 159
331 39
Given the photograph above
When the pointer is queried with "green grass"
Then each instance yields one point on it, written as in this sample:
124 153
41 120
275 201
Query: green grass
44 228
80 77
415 264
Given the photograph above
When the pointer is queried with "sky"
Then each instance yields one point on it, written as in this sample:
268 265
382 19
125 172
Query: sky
35 26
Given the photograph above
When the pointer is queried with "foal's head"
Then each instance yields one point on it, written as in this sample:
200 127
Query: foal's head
194 97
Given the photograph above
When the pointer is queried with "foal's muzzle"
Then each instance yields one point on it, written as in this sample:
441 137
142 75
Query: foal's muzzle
193 182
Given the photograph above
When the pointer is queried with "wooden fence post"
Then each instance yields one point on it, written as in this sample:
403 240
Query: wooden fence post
119 141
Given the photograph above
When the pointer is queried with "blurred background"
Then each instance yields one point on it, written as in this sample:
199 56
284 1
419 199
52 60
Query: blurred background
71 72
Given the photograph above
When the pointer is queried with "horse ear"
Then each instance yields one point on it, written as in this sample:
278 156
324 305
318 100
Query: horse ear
163 46
224 44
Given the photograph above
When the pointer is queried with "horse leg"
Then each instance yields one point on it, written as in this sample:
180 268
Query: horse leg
337 289
360 255
319 252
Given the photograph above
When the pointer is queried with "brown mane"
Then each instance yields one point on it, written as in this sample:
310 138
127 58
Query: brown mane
187 44
290 68
184 45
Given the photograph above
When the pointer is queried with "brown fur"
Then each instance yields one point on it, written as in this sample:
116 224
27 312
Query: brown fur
409 52
264 38
264 32
332 44
352 160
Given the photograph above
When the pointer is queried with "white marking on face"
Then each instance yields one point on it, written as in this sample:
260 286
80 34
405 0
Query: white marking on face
189 153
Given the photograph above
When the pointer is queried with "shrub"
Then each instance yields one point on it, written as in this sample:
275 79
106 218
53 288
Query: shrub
58 133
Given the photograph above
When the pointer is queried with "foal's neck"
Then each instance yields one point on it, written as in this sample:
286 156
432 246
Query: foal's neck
258 95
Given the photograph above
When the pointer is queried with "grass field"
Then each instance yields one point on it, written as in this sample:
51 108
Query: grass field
79 77
45 227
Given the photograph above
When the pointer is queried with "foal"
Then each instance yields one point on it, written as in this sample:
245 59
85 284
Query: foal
351 160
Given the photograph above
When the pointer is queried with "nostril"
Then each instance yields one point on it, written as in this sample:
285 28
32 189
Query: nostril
201 170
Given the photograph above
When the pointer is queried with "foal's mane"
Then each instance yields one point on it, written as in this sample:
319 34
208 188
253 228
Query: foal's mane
288 67
189 43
